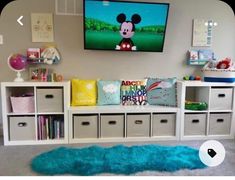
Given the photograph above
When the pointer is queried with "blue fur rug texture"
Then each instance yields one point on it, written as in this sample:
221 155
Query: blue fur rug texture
116 160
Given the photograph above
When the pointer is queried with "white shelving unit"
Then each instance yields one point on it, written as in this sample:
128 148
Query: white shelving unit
96 124
90 114
217 122
47 102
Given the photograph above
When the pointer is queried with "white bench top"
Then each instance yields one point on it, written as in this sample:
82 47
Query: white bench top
122 109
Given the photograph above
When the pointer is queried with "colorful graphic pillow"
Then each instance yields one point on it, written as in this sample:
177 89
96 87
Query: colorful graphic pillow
84 92
108 92
133 92
161 91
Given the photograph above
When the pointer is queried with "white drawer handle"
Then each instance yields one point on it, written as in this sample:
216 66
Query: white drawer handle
220 120
138 122
22 124
195 121
164 121
112 122
221 95
85 123
49 96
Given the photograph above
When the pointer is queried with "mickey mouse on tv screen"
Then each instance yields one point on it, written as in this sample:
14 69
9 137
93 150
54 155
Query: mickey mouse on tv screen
127 31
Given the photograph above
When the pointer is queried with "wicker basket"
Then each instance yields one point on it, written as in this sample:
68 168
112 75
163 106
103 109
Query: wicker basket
22 104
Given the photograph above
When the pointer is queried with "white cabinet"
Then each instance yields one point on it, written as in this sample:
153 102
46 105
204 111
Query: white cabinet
215 122
35 112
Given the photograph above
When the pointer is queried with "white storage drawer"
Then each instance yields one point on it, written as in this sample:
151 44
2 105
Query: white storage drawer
85 126
195 124
138 125
164 124
221 98
220 123
49 100
112 125
22 128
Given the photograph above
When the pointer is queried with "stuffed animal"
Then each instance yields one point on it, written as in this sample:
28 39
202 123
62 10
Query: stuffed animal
50 55
224 64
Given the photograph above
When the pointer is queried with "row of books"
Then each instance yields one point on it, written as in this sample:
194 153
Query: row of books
50 127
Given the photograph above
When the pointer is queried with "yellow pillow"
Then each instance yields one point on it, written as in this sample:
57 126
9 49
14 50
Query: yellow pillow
84 92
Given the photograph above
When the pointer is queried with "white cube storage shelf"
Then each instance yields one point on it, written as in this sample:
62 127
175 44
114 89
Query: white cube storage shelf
95 124
216 122
51 100
123 123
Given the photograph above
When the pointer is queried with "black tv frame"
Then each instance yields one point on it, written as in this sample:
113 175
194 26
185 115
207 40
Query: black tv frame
84 27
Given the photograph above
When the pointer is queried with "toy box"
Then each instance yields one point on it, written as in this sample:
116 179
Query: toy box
218 75
22 104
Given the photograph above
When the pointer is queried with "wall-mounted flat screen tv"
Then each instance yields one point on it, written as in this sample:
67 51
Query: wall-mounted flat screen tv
124 25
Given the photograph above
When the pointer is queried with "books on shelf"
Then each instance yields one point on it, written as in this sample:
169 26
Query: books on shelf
200 57
50 127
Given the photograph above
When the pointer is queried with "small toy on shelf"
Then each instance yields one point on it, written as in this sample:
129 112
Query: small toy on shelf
189 105
192 78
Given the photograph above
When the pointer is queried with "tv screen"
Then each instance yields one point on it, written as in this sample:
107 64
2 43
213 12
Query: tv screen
124 25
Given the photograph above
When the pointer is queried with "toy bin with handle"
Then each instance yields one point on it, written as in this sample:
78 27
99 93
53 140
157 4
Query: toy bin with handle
218 75
22 104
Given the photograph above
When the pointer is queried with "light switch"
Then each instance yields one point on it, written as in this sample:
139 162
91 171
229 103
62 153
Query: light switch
1 39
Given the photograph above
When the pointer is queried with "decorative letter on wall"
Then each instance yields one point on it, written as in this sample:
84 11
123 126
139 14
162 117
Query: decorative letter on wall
202 32
42 27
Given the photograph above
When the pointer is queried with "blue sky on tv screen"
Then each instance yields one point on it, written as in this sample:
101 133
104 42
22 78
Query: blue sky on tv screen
151 14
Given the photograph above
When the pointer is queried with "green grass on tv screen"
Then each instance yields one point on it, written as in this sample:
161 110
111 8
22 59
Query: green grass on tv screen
144 41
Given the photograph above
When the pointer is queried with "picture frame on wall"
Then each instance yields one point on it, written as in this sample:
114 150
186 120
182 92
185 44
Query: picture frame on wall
42 27
202 32
38 74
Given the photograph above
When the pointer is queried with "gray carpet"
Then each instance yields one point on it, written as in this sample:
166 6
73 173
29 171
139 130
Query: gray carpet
15 160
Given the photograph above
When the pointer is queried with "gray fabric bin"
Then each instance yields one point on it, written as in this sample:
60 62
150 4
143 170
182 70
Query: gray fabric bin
49 100
220 123
85 126
195 124
164 124
22 128
138 125
112 126
221 99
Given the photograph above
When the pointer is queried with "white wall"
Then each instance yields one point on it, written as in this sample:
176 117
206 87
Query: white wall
110 64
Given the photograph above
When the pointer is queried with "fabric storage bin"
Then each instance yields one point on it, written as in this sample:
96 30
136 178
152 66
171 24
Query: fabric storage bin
22 128
112 125
49 100
164 124
195 124
85 126
220 123
138 125
22 104
221 98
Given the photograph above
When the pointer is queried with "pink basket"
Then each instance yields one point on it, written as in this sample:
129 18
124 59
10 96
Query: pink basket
22 104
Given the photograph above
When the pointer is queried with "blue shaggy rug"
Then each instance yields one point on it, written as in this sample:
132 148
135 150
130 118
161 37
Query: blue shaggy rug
117 160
